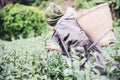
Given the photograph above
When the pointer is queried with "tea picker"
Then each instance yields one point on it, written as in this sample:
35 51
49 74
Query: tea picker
75 31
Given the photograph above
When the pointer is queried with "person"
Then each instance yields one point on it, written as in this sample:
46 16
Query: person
69 35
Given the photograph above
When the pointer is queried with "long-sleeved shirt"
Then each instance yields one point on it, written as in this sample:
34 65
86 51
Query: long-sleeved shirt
68 34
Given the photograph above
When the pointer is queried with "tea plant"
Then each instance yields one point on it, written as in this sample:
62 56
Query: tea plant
27 59
18 21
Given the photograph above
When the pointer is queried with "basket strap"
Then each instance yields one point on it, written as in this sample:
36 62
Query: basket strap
99 39
68 54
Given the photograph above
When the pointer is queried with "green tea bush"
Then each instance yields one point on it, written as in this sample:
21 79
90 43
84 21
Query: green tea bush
28 59
21 21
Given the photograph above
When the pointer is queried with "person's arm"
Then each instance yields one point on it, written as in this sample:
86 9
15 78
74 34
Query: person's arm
53 47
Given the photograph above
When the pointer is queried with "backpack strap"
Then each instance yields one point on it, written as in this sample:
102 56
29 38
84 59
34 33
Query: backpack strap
68 54
100 39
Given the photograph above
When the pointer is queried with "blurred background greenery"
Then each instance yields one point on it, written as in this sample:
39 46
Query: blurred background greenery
16 16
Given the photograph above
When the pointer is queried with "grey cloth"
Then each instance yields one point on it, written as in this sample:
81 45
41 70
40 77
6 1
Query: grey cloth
70 33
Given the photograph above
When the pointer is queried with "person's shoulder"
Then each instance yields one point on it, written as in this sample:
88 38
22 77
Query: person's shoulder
70 8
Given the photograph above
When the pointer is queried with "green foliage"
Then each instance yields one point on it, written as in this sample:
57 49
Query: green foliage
118 3
21 21
41 3
26 2
118 8
86 4
28 59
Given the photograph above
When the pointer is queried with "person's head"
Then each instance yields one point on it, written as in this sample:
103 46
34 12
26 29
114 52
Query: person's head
53 13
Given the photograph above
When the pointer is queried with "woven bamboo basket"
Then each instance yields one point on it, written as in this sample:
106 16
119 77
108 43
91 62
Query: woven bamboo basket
97 23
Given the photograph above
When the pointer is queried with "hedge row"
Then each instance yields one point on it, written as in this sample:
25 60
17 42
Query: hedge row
20 21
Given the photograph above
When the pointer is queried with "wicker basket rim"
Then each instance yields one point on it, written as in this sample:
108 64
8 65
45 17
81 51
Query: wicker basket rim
90 10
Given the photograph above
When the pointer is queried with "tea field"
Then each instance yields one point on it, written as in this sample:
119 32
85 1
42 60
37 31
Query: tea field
28 59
